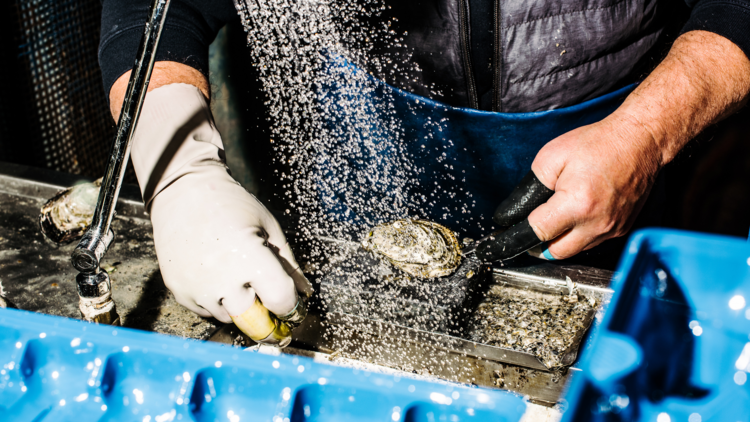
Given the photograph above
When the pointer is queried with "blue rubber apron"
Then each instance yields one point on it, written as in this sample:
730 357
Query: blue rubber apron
468 160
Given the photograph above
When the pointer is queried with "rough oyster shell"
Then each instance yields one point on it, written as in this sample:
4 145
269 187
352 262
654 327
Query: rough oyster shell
67 215
420 248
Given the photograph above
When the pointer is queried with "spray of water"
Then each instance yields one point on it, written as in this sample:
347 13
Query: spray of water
337 129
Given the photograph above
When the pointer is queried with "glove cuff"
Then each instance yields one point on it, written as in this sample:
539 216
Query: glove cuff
175 136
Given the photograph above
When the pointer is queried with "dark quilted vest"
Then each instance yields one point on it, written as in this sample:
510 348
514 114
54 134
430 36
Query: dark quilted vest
547 54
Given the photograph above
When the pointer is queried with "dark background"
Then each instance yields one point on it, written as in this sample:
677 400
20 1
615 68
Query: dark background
53 112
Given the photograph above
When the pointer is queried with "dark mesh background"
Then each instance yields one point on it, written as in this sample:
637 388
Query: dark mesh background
53 111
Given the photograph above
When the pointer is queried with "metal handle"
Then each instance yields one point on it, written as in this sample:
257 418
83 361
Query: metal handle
88 254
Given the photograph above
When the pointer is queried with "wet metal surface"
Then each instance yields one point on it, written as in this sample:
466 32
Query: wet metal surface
436 311
38 276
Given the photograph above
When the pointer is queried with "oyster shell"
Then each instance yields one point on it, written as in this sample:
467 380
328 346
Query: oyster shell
420 248
67 215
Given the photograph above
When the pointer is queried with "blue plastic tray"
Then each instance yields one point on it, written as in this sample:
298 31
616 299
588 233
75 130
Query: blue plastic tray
57 369
673 345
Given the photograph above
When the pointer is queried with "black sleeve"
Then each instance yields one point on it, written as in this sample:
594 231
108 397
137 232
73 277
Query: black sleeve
190 28
728 18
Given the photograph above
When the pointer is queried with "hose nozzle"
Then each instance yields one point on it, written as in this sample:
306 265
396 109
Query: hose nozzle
95 298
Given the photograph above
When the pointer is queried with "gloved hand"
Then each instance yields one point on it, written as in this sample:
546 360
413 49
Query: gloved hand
219 248
512 216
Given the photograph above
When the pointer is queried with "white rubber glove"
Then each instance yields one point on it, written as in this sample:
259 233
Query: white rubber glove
218 246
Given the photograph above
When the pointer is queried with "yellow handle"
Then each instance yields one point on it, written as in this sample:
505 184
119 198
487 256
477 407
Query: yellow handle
262 326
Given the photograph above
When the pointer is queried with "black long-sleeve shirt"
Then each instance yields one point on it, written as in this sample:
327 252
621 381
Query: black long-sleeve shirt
190 28
193 24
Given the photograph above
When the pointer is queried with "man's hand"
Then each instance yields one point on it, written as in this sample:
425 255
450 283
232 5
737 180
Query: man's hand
601 174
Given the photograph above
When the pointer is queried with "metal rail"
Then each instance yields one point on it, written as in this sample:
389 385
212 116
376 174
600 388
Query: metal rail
93 284
94 243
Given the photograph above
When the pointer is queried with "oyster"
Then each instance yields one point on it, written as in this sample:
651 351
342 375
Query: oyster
67 215
419 248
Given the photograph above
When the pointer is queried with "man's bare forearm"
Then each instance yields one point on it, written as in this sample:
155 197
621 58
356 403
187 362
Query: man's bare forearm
602 173
164 73
704 78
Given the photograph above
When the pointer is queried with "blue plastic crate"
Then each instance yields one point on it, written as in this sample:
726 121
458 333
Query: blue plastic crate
673 345
57 369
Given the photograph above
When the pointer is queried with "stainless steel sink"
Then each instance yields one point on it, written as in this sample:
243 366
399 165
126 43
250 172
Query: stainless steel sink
39 277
